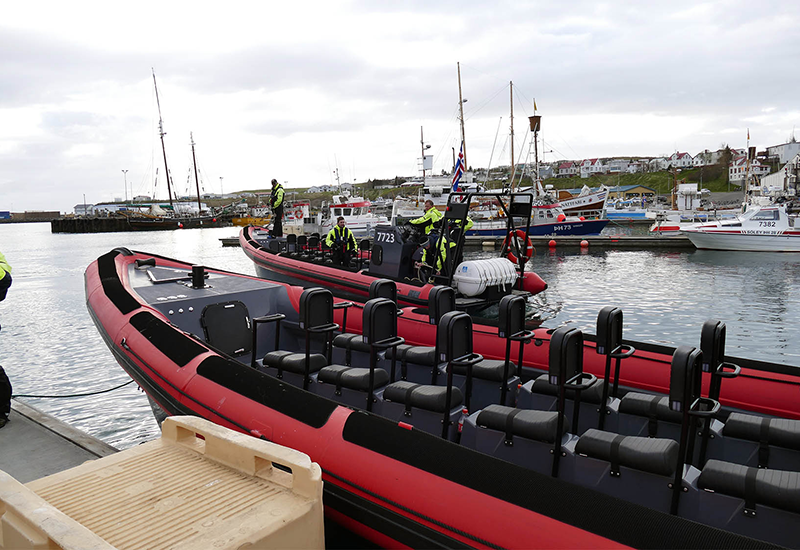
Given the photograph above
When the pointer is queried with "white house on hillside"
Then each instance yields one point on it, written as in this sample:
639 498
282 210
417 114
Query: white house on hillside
680 160
617 166
785 152
589 167
634 168
737 172
567 169
658 164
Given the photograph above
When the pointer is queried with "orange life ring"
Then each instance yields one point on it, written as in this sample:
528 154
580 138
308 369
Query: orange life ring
298 215
527 251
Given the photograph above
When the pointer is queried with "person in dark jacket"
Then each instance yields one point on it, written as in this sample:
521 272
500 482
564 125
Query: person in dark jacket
5 383
276 204
5 397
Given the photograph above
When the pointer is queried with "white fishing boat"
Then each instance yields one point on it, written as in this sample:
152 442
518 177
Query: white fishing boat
587 201
762 228
357 214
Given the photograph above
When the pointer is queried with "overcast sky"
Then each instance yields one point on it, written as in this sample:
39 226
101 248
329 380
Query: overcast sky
295 90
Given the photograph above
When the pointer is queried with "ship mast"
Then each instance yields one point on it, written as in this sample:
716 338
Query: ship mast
196 181
163 149
513 166
461 109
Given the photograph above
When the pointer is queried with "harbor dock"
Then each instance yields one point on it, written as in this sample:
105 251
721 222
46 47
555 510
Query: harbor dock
35 444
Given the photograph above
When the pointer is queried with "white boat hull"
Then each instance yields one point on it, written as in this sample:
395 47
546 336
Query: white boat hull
744 242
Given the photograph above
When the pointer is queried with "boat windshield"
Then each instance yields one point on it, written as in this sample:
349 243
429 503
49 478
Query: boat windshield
765 215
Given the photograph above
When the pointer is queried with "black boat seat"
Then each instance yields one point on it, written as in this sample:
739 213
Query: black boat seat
417 362
781 432
536 425
351 350
293 362
352 378
758 441
540 394
750 501
487 381
420 396
292 366
520 436
592 394
419 355
777 488
649 415
488 369
351 341
637 469
349 385
422 406
647 454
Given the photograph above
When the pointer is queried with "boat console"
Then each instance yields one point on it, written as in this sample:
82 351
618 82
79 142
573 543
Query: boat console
392 251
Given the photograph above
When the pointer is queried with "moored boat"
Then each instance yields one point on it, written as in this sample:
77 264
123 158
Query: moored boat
762 228
404 464
303 260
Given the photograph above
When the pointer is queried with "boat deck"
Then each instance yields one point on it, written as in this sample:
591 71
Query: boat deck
35 444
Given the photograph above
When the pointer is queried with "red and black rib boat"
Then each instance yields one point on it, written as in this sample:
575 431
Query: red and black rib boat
429 435
478 283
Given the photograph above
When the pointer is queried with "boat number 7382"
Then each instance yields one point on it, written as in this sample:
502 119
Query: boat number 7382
766 224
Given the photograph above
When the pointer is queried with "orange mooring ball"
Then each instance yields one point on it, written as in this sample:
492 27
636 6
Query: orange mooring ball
584 244
561 217
552 244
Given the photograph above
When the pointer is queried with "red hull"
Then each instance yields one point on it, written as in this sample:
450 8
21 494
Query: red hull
356 284
420 500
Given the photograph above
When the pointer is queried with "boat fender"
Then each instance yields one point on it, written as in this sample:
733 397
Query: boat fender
527 250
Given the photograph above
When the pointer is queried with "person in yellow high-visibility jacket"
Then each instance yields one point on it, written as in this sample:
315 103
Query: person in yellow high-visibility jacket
444 245
276 204
5 276
430 217
342 243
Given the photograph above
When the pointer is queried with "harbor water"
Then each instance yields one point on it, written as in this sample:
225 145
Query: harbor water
50 347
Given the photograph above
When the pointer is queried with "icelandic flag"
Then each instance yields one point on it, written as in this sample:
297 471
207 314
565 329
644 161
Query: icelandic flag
459 171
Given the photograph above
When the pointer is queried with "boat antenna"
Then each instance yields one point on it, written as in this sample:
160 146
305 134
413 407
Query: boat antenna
196 181
163 133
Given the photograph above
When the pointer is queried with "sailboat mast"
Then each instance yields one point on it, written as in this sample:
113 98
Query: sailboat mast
422 146
461 109
163 148
513 166
196 181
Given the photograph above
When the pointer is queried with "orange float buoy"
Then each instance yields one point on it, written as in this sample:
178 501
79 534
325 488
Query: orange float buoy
561 217
584 244
552 243
582 219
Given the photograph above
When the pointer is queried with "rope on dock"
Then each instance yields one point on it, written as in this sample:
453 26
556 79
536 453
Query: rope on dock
76 394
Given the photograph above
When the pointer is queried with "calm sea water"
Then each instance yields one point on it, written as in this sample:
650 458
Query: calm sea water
49 345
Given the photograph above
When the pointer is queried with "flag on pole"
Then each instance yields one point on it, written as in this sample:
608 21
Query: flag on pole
534 105
459 170
748 134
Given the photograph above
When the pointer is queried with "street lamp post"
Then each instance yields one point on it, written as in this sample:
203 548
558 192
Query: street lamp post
221 194
125 175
